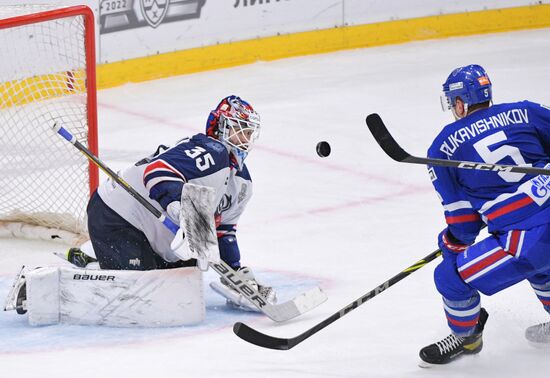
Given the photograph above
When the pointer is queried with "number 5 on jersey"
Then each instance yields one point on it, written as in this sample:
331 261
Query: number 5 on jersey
493 156
203 161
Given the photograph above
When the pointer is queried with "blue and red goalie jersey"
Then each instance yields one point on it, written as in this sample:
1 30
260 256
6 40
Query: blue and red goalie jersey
513 134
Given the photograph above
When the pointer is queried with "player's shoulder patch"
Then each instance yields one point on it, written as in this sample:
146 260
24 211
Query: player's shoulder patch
214 145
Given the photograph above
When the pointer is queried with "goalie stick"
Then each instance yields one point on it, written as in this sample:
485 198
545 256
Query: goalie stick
277 312
394 150
261 339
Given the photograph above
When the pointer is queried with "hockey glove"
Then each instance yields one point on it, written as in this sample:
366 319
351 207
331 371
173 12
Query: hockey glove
449 244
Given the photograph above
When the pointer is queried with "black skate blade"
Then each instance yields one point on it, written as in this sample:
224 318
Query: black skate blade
426 365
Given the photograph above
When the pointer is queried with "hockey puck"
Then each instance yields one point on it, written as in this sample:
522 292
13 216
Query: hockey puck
323 149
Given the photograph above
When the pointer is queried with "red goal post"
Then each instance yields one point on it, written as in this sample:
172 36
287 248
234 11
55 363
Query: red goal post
47 74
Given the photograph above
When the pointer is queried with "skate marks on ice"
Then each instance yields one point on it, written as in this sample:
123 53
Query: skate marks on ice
19 337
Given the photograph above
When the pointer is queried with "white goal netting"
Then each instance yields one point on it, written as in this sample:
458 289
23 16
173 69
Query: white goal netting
44 69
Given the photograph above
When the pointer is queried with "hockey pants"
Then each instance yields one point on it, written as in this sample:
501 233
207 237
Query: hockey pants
490 266
120 246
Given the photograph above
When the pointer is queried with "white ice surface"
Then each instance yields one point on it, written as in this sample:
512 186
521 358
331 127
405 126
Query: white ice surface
347 222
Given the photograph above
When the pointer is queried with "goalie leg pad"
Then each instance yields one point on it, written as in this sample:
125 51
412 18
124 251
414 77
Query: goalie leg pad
155 298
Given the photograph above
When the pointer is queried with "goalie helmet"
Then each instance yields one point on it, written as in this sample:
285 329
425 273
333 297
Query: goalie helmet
470 83
236 124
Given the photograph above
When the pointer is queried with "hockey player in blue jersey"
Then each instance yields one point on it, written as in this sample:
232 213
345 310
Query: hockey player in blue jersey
125 236
514 206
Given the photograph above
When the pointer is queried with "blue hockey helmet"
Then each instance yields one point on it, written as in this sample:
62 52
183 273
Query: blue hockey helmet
471 83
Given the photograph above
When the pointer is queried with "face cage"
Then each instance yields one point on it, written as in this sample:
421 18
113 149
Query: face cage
234 128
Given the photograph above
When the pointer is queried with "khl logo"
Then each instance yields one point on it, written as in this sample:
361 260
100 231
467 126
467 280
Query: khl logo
154 11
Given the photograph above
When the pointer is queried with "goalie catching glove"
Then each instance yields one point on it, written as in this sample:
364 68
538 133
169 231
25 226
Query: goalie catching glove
196 238
237 300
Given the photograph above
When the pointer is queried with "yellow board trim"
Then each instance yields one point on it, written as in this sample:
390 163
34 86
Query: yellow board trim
322 41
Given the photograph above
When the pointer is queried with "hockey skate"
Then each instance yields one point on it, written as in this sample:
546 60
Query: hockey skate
539 335
452 347
76 257
237 300
17 297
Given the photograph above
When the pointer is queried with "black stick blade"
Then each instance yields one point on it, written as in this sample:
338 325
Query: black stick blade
261 339
384 138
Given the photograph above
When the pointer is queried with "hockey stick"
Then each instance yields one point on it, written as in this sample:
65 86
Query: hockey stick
261 339
394 150
277 312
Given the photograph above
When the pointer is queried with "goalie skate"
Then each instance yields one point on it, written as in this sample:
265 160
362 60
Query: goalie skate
17 296
78 258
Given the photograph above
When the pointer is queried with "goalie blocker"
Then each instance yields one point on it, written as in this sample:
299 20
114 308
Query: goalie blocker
155 298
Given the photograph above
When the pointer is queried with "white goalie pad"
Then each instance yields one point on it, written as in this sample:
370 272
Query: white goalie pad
197 223
155 298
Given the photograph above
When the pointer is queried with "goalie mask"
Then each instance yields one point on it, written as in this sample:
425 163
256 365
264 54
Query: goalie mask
236 124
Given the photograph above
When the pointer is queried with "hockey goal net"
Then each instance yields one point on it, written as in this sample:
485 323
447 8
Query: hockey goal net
47 75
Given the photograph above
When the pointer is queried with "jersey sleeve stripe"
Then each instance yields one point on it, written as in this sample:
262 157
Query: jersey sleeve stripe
161 165
151 183
518 204
462 218
458 205
160 171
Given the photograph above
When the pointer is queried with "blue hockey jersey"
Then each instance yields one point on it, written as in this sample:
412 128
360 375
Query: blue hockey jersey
200 160
512 134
